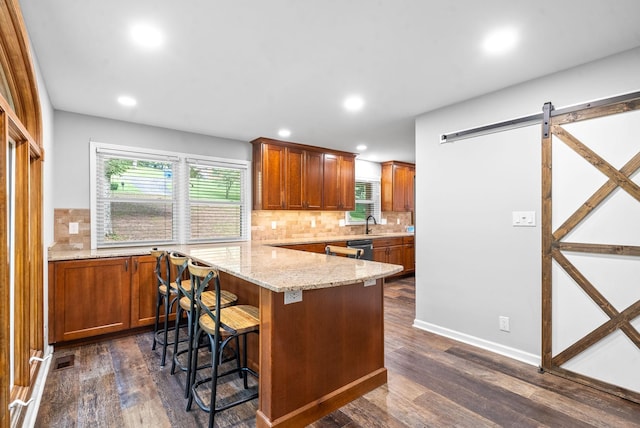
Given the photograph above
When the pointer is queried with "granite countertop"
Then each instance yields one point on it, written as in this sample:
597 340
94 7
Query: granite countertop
334 238
277 269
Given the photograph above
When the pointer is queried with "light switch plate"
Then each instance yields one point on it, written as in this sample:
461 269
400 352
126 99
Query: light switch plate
523 218
73 228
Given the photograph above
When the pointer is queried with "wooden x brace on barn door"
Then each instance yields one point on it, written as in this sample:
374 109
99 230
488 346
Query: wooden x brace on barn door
553 245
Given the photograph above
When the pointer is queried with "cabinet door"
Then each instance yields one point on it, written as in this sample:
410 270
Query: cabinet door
330 182
409 258
347 183
396 255
313 179
91 297
380 254
273 177
294 183
399 188
409 196
144 291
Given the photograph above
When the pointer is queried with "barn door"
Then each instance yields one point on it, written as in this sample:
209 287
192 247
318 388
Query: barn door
591 245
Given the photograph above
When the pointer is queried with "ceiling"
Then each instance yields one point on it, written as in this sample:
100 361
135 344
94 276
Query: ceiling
244 69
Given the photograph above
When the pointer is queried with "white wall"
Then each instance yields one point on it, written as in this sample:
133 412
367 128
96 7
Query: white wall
472 265
47 226
73 132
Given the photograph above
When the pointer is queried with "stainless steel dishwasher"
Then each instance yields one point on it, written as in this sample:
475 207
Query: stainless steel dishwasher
365 244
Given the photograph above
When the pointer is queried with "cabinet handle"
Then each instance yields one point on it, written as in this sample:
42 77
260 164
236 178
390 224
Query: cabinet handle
126 265
135 266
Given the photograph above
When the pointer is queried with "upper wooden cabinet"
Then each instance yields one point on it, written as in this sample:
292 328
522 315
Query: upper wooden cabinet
339 182
269 173
398 181
302 180
299 177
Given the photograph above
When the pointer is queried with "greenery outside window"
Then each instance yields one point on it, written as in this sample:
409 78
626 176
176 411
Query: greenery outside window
367 202
145 197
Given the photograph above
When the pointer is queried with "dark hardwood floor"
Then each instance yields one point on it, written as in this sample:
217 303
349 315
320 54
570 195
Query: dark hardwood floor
433 382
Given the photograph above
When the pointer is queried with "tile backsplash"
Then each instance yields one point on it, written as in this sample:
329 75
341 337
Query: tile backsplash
62 217
300 224
289 224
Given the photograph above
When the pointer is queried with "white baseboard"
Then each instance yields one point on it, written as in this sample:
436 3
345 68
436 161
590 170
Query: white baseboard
516 354
38 389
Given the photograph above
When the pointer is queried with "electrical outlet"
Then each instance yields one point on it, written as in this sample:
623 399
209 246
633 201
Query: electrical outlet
292 296
274 225
504 323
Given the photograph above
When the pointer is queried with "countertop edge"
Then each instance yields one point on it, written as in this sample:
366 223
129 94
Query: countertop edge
263 278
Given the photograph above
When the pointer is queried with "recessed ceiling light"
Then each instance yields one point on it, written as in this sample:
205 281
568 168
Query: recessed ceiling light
354 103
146 35
284 133
361 147
127 101
500 41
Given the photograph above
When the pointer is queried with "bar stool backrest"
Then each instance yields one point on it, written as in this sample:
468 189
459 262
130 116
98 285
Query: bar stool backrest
201 278
181 263
334 250
162 270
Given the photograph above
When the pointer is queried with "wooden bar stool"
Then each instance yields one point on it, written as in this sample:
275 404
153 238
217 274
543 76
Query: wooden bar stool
167 296
334 250
187 305
221 326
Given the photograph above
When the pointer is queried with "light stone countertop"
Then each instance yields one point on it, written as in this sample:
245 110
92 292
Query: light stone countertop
333 238
277 269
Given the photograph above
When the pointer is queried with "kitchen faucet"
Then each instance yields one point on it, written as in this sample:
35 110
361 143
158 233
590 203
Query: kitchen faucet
366 227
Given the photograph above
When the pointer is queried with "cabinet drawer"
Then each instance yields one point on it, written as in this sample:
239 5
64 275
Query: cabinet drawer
408 239
387 242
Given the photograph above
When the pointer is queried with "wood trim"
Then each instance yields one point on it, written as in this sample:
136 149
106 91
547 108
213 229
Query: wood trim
37 262
21 270
592 113
620 250
595 383
21 122
5 329
546 231
14 40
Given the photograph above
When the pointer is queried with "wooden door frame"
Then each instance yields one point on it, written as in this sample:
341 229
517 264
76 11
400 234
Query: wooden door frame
553 246
21 122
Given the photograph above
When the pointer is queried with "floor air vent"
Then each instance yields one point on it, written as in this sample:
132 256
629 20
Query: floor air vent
64 362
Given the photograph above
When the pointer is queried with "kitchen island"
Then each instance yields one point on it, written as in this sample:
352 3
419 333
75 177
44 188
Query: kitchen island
313 355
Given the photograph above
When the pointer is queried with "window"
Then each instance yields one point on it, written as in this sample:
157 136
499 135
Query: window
367 202
153 197
216 199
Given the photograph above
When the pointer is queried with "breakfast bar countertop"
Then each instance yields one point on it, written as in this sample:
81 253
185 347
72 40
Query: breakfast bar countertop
277 269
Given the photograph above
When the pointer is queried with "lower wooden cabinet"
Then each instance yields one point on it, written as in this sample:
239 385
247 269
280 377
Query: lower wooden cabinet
99 296
409 254
388 250
144 291
90 297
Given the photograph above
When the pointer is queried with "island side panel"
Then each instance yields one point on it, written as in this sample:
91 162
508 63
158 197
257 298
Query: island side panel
248 294
319 354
